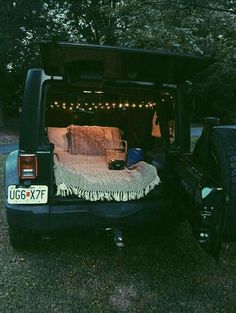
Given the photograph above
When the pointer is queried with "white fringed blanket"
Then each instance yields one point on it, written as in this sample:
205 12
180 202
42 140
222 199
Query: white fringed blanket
88 177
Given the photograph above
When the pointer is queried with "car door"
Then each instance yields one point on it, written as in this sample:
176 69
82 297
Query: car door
203 202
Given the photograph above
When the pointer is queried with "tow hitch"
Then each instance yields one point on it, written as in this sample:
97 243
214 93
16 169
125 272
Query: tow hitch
117 235
118 238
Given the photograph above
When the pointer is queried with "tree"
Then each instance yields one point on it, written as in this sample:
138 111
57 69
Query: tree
193 26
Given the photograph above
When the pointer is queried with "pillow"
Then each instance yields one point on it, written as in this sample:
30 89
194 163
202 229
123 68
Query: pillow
91 140
58 136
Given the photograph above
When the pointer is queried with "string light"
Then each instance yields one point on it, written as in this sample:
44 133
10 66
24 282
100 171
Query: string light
95 106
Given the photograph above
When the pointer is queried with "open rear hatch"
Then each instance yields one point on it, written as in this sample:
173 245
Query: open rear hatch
123 74
120 73
105 64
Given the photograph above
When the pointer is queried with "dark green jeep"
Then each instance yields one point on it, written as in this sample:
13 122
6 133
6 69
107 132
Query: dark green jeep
105 143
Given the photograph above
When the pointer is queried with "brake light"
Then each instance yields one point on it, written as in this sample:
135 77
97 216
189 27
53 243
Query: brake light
27 166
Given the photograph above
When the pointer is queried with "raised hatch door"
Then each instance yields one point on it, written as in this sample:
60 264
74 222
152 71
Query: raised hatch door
105 64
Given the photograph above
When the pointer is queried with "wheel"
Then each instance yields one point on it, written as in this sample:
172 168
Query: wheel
21 240
220 161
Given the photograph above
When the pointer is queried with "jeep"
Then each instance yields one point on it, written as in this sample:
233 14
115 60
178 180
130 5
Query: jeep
105 144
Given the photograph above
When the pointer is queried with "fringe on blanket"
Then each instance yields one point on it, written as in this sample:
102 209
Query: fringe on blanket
95 195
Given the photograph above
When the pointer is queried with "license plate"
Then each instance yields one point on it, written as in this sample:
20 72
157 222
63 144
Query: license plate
35 194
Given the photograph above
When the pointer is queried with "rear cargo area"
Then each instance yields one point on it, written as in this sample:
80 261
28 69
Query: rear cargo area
106 147
90 178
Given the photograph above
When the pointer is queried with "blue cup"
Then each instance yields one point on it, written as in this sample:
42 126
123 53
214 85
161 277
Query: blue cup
134 156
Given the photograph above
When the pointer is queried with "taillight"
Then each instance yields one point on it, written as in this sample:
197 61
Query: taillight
27 166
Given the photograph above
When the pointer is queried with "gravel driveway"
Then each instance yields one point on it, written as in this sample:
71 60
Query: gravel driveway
83 273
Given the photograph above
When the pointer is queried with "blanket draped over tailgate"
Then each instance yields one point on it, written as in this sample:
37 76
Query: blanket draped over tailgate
88 177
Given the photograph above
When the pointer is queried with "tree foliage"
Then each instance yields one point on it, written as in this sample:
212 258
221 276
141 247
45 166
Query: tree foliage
193 26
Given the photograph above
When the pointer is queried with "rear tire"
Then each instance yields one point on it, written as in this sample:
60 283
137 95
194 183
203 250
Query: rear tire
21 240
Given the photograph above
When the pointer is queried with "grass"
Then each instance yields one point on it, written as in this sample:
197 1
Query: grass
85 274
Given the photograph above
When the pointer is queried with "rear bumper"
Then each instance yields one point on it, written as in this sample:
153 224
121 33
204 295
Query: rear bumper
55 217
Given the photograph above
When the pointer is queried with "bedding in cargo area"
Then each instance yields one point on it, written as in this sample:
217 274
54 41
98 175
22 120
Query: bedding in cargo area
81 169
88 177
